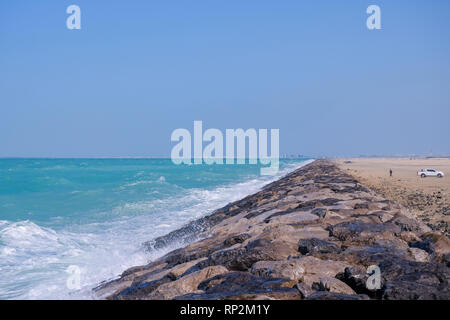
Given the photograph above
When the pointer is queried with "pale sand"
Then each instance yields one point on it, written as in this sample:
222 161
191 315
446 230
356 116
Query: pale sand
427 198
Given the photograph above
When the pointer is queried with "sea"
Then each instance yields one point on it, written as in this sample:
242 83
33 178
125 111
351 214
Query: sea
93 216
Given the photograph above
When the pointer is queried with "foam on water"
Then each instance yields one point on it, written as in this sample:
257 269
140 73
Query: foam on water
34 256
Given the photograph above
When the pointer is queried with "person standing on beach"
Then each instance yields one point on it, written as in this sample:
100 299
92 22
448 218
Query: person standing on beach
390 172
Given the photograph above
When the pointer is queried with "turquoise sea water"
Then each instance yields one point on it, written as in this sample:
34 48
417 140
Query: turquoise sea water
96 213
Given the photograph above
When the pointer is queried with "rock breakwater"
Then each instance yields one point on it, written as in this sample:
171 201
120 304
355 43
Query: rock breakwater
310 235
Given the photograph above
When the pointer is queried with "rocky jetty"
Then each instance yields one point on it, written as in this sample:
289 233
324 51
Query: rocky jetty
315 234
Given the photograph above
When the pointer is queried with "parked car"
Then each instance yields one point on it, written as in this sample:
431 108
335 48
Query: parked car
430 173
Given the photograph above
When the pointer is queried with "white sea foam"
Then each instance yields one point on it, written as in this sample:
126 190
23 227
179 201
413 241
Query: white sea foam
34 259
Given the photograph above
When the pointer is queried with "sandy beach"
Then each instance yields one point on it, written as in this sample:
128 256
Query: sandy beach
427 198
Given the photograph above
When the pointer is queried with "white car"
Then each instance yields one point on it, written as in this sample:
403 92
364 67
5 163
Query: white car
430 173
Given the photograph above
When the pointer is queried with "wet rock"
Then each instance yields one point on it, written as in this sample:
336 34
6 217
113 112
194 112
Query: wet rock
237 284
314 245
108 290
151 276
185 234
133 272
180 269
184 255
143 289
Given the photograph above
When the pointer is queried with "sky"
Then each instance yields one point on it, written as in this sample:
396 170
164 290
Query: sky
137 70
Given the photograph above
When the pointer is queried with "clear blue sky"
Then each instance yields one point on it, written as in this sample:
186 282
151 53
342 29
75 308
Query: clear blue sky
139 69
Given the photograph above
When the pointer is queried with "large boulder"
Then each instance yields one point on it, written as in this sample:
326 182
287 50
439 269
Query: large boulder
242 258
290 269
411 290
186 284
239 285
357 231
313 266
314 245
138 291
435 244
331 285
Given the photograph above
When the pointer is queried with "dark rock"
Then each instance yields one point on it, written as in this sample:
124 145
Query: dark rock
372 254
186 234
288 269
236 239
356 279
183 255
405 223
315 245
405 290
261 249
258 243
199 266
446 259
243 258
331 285
304 289
424 245
305 206
239 283
361 231
320 212
225 257
424 272
142 289
363 205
